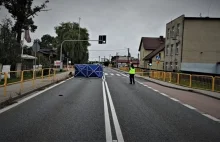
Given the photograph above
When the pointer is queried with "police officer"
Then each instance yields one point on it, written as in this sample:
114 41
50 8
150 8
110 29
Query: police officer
132 73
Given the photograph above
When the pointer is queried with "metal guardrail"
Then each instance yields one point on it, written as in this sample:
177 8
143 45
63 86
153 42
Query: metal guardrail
203 82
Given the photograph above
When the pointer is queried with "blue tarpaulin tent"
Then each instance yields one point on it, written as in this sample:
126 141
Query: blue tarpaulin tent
88 70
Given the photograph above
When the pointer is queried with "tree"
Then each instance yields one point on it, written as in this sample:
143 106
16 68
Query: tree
78 51
47 41
8 44
22 12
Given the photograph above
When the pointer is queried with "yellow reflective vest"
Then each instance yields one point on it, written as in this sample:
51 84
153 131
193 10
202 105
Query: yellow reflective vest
132 71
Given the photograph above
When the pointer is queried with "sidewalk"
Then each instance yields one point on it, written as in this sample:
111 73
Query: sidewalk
14 91
166 84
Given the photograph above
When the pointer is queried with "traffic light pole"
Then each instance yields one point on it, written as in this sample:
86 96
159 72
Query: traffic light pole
61 63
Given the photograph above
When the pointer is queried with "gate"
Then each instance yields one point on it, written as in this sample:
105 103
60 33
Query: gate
88 70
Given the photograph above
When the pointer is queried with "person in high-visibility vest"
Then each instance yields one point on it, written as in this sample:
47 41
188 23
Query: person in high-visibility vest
132 73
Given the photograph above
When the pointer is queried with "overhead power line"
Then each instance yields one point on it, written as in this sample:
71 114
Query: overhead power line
108 50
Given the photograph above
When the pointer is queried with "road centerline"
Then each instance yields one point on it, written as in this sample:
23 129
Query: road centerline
108 131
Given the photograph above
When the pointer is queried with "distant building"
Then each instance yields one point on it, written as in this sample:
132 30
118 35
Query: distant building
193 45
122 61
150 48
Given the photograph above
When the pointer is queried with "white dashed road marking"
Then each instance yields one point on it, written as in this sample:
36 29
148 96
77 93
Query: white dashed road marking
211 117
156 90
111 73
118 74
106 73
174 99
164 94
190 107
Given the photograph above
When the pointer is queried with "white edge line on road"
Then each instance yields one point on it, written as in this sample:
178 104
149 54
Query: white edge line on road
190 107
28 98
108 131
211 117
114 116
164 94
156 90
70 78
149 87
174 99
146 85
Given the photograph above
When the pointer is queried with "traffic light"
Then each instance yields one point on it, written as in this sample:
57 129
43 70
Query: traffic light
102 39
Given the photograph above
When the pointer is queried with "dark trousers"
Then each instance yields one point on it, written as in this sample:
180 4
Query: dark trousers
132 79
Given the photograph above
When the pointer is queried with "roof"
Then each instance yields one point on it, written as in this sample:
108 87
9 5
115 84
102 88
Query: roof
155 52
47 51
202 18
151 43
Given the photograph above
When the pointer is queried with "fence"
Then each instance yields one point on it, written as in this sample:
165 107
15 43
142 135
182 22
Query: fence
36 79
203 82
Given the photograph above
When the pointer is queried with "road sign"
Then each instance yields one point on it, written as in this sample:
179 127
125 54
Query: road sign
36 46
158 57
56 63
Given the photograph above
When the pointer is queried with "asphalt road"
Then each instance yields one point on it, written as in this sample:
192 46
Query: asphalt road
101 110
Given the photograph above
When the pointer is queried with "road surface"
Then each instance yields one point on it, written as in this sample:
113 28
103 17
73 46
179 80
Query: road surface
108 109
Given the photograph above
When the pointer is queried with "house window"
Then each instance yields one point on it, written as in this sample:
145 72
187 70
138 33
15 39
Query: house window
177 48
171 66
168 33
167 50
171 50
178 29
176 65
166 67
172 32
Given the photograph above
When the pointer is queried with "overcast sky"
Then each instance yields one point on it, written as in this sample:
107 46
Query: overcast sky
123 21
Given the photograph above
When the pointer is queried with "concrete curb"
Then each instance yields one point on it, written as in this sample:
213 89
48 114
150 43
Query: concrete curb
13 100
189 90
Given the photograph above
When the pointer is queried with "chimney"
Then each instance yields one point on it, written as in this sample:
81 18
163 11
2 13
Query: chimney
161 39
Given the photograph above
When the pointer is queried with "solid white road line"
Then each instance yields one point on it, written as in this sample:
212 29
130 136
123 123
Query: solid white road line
111 73
190 107
118 74
106 73
108 131
28 98
164 94
114 116
211 117
174 99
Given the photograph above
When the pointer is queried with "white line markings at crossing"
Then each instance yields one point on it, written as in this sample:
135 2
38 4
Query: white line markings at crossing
106 73
111 73
118 74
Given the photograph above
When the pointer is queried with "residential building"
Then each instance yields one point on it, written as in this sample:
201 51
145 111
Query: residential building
122 61
193 45
147 46
156 58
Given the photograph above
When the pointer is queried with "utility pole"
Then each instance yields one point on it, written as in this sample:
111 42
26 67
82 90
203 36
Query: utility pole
128 56
99 59
138 60
104 58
